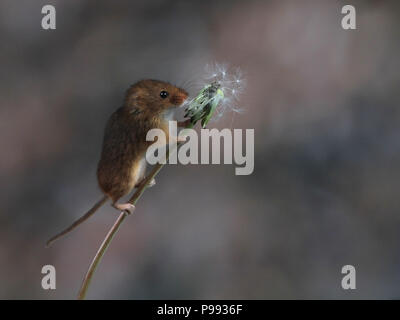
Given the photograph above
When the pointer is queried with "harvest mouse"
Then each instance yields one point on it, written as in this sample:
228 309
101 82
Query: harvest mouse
148 105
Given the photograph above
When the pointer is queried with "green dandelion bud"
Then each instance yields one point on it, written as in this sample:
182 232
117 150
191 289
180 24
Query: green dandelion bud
203 106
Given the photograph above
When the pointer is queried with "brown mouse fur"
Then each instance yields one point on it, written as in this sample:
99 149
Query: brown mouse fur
122 164
147 105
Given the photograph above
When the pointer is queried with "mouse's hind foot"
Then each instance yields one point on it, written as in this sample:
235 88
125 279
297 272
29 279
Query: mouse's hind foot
126 207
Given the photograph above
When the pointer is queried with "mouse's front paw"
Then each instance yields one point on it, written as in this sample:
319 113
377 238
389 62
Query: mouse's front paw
151 183
182 138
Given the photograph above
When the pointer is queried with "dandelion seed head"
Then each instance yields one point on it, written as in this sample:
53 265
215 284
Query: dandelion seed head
218 77
231 83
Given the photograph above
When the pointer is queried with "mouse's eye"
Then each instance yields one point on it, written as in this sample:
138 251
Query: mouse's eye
164 94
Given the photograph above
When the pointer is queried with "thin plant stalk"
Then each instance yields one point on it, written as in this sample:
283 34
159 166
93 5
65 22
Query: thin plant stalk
111 233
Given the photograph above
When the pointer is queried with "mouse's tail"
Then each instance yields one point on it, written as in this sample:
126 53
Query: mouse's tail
79 221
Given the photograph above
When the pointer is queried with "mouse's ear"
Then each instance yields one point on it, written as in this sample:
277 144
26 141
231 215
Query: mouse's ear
134 97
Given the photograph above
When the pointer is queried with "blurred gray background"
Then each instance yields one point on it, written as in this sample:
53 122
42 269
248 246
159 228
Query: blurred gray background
324 103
